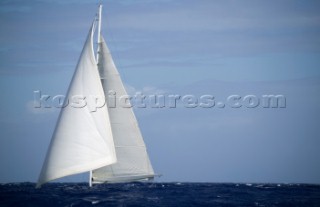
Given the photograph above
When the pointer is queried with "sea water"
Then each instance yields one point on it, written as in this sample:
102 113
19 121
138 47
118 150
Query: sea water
160 194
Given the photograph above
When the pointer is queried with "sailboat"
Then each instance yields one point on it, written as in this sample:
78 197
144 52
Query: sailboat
106 142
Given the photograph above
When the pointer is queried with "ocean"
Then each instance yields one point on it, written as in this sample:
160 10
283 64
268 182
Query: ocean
160 194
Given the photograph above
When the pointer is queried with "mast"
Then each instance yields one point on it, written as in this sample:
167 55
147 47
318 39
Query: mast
90 178
98 50
99 31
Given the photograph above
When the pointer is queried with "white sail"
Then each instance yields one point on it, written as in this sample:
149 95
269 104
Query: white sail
132 159
82 140
107 142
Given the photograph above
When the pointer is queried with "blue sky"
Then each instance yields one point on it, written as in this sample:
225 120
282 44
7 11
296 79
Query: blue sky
174 47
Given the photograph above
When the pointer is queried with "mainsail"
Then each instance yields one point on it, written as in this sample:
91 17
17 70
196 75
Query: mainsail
106 141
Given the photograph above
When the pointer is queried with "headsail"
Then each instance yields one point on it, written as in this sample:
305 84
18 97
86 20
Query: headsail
82 140
132 158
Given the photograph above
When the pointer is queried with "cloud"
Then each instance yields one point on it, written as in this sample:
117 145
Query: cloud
219 16
66 2
216 28
147 90
9 9
104 2
130 2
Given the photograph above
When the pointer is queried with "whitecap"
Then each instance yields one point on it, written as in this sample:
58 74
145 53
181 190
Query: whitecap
95 202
